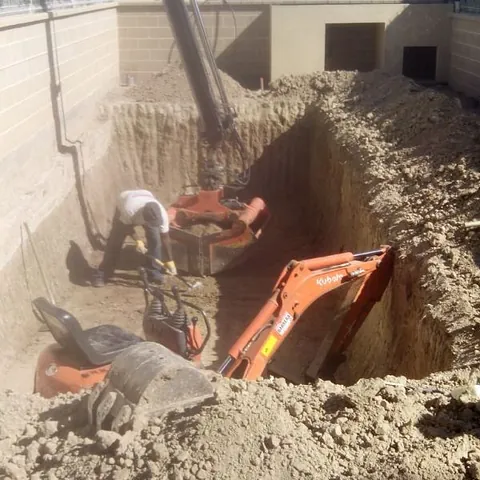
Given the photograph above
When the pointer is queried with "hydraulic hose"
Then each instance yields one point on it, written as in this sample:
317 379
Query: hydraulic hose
194 66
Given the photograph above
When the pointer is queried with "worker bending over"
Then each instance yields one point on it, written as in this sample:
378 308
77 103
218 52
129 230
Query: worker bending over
136 209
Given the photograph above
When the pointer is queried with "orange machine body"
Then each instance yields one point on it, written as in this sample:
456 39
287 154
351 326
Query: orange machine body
57 373
299 285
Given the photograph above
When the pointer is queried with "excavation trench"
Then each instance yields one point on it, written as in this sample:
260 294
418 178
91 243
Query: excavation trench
320 204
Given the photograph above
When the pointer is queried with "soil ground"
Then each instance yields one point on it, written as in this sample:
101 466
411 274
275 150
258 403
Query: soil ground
230 300
420 154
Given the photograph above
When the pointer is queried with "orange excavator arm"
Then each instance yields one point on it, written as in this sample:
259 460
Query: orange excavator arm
299 285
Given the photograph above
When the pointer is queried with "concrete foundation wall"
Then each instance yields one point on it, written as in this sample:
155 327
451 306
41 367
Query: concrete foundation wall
53 69
298 34
240 39
465 54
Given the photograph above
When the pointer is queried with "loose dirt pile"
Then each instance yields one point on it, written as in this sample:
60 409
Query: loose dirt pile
171 85
419 152
381 428
202 229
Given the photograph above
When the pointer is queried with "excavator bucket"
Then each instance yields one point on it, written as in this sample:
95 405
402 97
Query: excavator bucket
210 235
145 380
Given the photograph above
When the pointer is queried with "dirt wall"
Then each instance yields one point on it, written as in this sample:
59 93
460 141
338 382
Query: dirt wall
159 145
399 336
152 146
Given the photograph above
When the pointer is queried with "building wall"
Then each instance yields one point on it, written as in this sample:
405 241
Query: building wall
240 39
52 72
77 51
86 49
298 33
465 54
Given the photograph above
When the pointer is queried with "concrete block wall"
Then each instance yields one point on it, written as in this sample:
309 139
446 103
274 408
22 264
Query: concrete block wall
53 70
240 39
465 54
86 46
78 51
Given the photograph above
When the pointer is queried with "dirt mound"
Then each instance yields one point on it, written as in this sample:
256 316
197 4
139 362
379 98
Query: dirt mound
171 85
417 152
269 429
420 153
310 87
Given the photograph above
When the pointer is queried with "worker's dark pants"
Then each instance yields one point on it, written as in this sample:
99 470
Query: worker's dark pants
118 234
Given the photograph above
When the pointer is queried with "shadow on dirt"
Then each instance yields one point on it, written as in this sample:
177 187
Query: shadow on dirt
449 420
79 271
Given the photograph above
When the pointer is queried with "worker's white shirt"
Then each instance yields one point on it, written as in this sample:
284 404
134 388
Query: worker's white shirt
130 204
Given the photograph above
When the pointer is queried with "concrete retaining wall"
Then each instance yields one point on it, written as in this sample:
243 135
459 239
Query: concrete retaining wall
240 38
252 39
298 34
53 69
465 54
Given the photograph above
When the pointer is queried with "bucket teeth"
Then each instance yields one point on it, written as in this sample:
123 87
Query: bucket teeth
92 398
146 376
122 418
104 408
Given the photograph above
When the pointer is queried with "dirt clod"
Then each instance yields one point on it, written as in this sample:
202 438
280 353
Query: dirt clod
171 86
106 439
426 436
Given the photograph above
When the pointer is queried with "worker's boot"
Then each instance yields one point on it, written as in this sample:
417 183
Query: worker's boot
98 278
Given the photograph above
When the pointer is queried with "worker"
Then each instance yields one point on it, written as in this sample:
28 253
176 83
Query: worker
136 209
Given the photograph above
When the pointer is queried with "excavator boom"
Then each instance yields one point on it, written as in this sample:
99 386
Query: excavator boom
299 285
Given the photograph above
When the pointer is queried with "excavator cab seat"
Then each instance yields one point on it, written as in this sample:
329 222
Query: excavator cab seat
95 346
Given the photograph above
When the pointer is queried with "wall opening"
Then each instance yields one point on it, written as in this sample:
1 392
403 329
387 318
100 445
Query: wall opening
354 46
420 63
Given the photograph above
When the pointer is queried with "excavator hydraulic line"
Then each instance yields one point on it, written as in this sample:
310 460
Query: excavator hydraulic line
216 122
195 68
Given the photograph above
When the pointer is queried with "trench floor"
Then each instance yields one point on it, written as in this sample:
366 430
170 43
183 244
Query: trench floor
230 300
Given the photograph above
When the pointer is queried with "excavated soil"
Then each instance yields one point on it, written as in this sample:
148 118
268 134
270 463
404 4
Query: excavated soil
377 429
171 86
202 229
346 161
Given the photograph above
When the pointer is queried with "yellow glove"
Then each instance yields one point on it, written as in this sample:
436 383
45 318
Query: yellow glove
170 268
140 247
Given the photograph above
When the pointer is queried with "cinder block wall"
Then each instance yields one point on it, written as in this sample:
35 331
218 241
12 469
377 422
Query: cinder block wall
239 36
77 50
87 48
52 72
465 54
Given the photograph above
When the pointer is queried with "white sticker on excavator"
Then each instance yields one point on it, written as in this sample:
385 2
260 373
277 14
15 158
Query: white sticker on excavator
282 327
328 280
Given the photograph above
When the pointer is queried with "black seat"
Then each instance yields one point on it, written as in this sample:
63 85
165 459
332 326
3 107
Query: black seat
98 345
